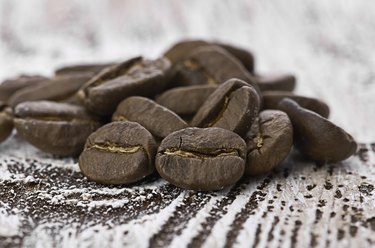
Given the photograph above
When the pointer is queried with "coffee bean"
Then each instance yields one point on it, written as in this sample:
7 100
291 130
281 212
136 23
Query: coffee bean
210 65
136 76
6 122
56 89
243 55
10 86
56 128
157 119
271 100
118 153
269 141
182 49
202 158
81 69
185 100
233 106
286 82
316 136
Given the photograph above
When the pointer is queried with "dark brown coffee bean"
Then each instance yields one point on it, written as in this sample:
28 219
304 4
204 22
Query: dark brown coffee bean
283 82
202 158
56 128
186 100
134 77
316 136
118 153
233 106
56 89
182 49
204 66
10 86
243 55
6 122
81 68
157 119
269 141
210 65
271 100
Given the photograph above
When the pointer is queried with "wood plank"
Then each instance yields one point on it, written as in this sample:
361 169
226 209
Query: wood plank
45 199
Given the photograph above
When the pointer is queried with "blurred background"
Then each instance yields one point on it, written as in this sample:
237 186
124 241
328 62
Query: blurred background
328 45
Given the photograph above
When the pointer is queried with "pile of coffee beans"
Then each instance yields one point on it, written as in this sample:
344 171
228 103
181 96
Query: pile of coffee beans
200 116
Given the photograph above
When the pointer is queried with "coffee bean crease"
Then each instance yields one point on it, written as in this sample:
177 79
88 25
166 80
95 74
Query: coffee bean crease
115 148
202 155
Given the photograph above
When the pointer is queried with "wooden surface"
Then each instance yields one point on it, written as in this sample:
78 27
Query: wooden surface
46 202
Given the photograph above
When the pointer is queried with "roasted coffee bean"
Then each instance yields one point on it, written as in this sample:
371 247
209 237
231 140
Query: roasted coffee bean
210 65
157 119
233 106
271 100
118 153
316 136
11 86
56 89
202 158
286 82
81 68
186 100
243 55
56 128
134 77
269 141
182 49
6 122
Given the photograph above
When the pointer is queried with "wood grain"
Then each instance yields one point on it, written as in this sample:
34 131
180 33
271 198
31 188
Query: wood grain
46 202
299 204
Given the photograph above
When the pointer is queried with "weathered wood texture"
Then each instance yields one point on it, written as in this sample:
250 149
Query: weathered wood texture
46 202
